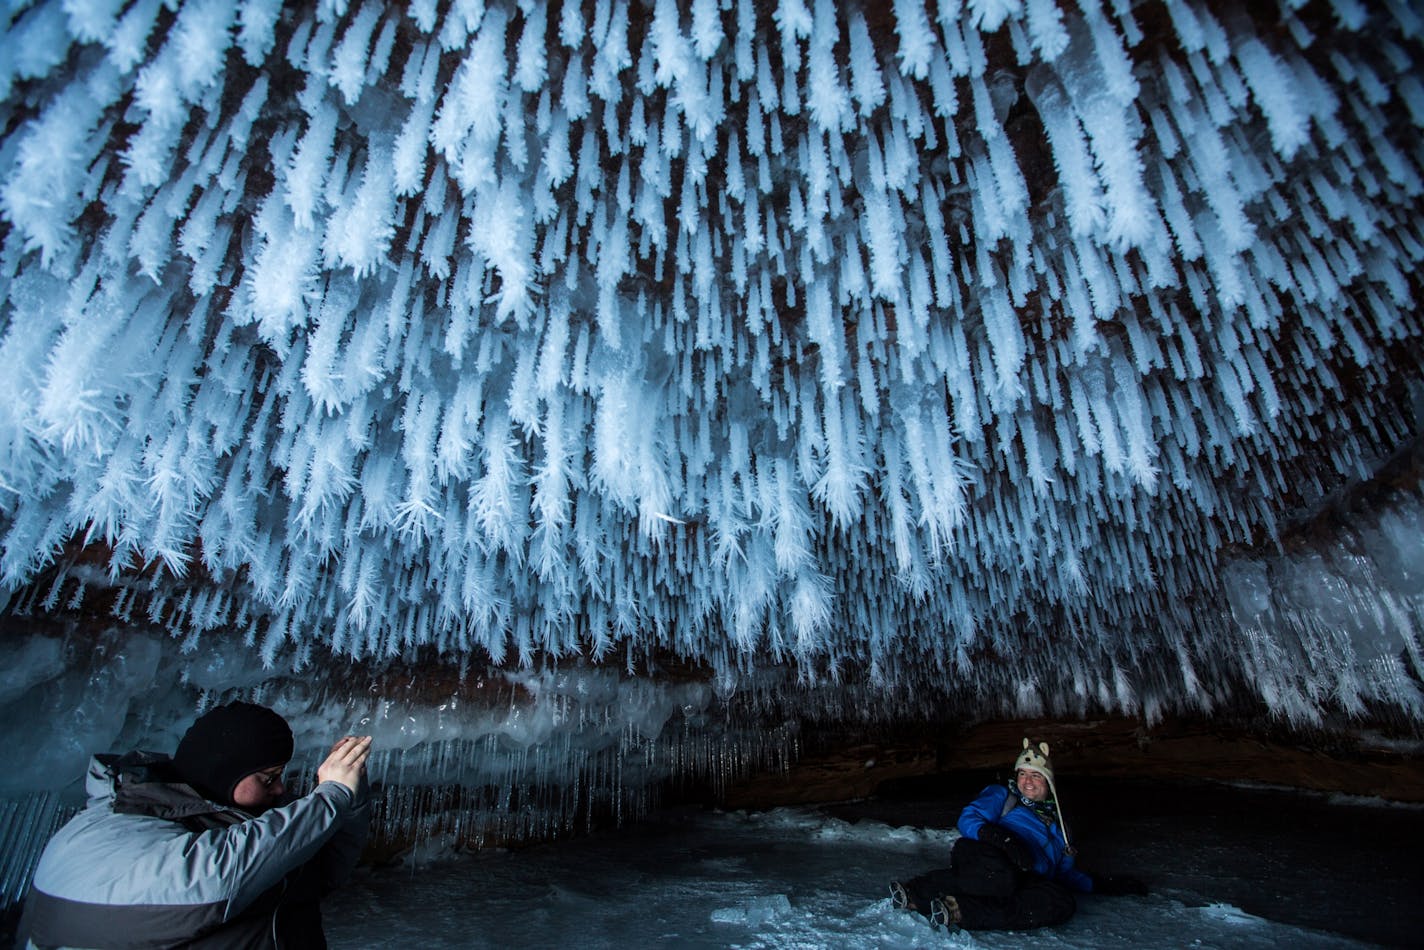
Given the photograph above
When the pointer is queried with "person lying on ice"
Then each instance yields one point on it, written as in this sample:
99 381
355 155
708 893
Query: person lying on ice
1012 869
204 849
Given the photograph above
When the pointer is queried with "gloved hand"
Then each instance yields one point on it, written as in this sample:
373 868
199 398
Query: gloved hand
1118 885
1009 843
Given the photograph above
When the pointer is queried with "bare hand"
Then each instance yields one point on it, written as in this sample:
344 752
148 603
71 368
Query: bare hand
347 762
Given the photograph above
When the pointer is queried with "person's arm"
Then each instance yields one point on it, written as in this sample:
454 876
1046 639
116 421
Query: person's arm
254 855
1117 885
985 809
981 820
337 859
1072 877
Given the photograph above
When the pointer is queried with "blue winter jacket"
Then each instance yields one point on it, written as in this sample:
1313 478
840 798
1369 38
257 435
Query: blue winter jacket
1050 853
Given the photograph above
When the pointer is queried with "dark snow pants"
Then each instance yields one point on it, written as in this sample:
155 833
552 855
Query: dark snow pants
992 893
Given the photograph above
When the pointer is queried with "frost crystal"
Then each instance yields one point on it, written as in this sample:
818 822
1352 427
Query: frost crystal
921 347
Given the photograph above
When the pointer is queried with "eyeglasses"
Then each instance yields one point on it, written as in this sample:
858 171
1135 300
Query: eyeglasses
268 779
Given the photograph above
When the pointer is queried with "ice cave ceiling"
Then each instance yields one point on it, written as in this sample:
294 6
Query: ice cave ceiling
627 361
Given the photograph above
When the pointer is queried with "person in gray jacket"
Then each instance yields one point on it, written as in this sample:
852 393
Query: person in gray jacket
204 849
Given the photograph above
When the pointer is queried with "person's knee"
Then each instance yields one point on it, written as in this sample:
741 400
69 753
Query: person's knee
973 851
983 869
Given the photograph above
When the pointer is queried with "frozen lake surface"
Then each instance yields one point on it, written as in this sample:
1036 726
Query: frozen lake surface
1229 867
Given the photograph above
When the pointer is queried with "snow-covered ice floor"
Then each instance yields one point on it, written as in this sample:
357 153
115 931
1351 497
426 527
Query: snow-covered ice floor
1257 869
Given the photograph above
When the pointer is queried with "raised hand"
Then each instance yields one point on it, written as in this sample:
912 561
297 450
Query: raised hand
346 762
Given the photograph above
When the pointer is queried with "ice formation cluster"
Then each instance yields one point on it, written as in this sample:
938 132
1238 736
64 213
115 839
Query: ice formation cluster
974 354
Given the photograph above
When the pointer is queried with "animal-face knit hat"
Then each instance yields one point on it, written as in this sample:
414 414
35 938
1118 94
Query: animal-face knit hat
1035 759
228 743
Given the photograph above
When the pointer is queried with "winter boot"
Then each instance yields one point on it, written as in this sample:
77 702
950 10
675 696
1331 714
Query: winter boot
899 897
944 912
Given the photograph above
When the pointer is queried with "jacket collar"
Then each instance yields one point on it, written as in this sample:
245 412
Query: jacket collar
145 783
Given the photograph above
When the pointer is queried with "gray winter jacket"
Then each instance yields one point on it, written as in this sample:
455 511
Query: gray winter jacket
150 863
